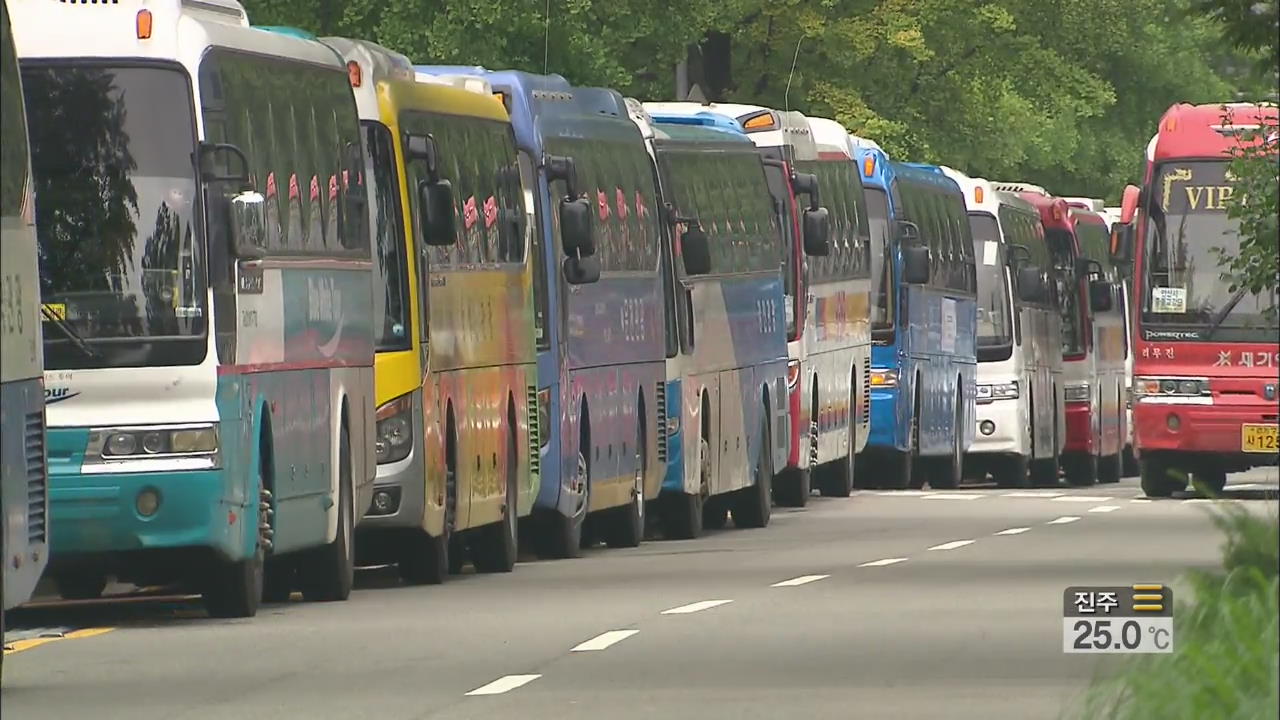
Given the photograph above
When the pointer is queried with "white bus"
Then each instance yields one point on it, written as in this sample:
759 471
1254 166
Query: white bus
208 352
1020 423
24 529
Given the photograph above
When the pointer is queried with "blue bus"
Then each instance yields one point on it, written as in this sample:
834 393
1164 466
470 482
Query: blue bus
24 498
924 320
207 289
597 307
723 258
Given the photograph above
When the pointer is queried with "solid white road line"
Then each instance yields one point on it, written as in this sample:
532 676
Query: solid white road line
1063 520
604 640
1104 508
802 580
951 496
506 683
882 563
695 607
952 545
1082 498
1032 494
1013 531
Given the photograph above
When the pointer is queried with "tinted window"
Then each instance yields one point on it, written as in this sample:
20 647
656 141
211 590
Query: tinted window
390 248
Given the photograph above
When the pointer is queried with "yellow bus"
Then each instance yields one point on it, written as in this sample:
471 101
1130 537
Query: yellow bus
453 314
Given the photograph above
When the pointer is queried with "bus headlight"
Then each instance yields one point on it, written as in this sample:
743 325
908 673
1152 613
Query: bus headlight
1077 392
544 417
395 430
152 442
884 378
1169 387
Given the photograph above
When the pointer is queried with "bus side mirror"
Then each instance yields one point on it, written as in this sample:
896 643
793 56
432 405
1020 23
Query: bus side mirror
563 168
1031 285
248 225
1130 199
581 270
436 213
695 250
915 264
576 236
1122 243
1101 294
817 232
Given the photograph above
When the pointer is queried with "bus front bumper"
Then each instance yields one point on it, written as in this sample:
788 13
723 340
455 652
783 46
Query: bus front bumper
399 494
1204 429
884 421
1001 429
1079 419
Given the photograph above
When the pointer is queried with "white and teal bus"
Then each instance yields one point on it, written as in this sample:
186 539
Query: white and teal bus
24 530
207 289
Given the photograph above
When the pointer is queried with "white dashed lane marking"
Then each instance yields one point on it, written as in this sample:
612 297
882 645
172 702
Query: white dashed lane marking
951 496
1013 531
506 683
695 607
1104 508
1140 500
882 563
802 580
1032 494
1082 498
604 640
952 545
1063 520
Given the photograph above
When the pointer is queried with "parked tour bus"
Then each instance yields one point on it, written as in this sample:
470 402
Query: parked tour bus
208 354
1205 355
24 498
824 277
722 260
453 320
1092 349
597 304
1020 426
924 325
1130 462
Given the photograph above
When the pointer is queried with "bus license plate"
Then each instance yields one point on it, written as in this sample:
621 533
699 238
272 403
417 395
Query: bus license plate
1259 438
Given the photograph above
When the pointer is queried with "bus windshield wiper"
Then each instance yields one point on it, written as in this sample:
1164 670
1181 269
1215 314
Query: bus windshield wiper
1225 311
69 332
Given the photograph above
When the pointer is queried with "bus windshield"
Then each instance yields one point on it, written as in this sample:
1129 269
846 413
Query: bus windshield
1189 240
995 319
1062 245
387 223
120 252
881 262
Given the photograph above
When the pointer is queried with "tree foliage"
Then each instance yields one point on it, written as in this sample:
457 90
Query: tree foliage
1255 204
1064 93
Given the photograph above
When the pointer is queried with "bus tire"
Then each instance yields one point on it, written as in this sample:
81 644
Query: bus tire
715 513
950 469
1011 471
1109 469
327 574
682 516
753 505
916 467
563 537
626 527
1159 478
1209 482
1080 469
235 589
838 478
1044 471
1129 464
425 559
792 487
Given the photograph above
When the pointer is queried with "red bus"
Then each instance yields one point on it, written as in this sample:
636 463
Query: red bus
1205 354
1092 339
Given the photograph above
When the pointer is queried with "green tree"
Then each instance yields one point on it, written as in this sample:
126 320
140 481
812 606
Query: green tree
1254 204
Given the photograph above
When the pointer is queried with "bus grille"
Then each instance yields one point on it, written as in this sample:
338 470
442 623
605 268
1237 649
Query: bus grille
535 432
33 442
660 399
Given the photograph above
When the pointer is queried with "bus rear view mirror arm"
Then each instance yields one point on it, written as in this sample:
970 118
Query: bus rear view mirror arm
248 225
437 217
223 162
908 233
915 264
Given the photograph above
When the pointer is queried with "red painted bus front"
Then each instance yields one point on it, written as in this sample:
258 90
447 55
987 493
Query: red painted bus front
1207 358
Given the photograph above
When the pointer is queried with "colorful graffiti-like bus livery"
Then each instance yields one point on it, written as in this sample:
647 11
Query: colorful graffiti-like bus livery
212 361
726 339
455 367
24 527
597 304
1205 353
923 352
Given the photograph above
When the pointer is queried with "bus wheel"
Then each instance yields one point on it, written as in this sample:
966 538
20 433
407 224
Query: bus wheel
1044 471
564 534
792 487
494 548
683 513
626 527
753 505
1109 469
1012 471
80 587
1209 482
1080 470
913 466
1160 478
949 471
1129 464
837 478
328 573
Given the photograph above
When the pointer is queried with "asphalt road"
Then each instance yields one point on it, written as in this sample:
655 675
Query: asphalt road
891 605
